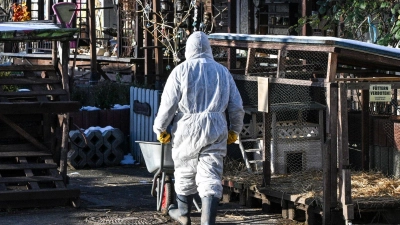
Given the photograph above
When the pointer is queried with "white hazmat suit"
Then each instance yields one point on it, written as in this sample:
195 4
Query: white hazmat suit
195 97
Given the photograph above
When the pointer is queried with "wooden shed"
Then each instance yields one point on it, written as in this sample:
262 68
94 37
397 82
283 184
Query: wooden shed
34 121
313 85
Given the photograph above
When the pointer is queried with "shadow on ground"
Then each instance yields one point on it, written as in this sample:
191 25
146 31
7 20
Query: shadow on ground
121 195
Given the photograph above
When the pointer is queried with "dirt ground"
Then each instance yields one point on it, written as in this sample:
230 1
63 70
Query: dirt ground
121 195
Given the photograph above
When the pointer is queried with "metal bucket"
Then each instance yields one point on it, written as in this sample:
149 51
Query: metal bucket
151 152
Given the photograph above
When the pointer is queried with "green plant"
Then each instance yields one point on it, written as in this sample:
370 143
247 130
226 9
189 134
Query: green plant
356 18
80 94
108 93
104 95
8 88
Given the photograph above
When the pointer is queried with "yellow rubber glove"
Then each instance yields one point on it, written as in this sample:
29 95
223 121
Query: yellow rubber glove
164 137
232 137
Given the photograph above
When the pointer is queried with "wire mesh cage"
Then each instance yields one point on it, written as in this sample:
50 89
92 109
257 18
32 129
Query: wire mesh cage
327 139
297 109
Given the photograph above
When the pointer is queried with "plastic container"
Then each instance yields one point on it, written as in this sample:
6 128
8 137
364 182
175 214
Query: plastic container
151 152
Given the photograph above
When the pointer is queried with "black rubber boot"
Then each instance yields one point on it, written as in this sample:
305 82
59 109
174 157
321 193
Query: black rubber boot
182 213
209 210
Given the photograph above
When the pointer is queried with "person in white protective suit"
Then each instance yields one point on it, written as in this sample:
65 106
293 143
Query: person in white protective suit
196 96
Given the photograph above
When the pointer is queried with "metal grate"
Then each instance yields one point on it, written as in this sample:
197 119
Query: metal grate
127 27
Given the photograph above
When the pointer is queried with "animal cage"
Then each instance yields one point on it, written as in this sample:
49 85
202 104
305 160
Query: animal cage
301 89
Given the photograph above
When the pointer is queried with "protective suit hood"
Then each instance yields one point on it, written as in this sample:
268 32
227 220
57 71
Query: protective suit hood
198 46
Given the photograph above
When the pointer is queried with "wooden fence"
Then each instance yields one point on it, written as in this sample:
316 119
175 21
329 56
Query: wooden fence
118 118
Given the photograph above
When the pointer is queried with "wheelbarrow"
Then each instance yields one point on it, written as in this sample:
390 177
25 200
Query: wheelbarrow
158 159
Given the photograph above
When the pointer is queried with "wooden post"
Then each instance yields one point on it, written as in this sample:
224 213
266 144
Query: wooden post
28 44
41 9
120 29
251 52
306 11
148 61
251 17
330 158
267 120
158 55
332 66
285 211
280 71
65 116
365 129
50 12
231 53
344 162
94 77
330 155
138 34
231 16
54 58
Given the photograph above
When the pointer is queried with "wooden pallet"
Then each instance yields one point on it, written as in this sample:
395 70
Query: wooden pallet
31 124
31 179
294 207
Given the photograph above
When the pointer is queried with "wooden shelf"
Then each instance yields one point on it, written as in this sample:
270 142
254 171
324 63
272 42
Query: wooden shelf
289 11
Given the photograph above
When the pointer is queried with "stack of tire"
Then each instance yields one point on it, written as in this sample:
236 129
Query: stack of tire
94 148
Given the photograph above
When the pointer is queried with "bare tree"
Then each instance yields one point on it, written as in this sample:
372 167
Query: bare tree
173 33
6 6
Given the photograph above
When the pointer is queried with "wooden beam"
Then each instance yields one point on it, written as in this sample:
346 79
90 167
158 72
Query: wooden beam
24 153
33 93
333 116
54 57
281 70
231 16
330 155
365 129
28 179
54 172
332 66
267 119
250 60
39 194
65 122
17 147
366 85
304 14
27 68
370 79
369 59
158 54
27 165
28 173
38 107
273 46
27 81
92 36
343 154
23 133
